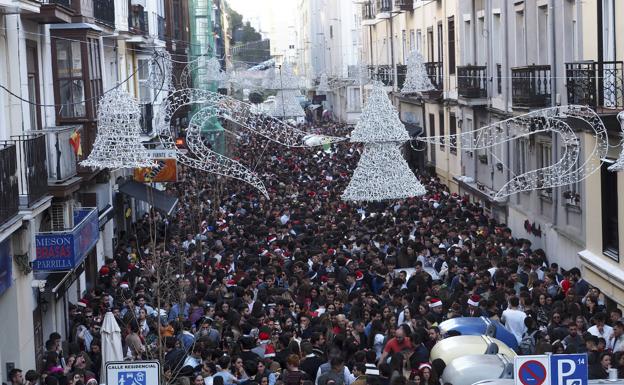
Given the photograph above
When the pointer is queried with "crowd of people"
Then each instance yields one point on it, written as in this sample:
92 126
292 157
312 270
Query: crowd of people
304 288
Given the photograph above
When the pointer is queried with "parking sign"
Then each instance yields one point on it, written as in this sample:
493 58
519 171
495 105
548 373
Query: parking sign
569 369
133 373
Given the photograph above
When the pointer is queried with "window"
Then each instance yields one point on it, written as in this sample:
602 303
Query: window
70 79
412 44
145 92
440 42
481 41
520 36
451 45
522 156
95 72
432 158
544 160
452 133
610 237
442 133
571 193
542 35
331 31
419 41
353 99
430 49
404 46
467 46
177 20
33 84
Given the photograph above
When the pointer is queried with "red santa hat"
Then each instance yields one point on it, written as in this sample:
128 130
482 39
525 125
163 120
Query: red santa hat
264 336
359 275
104 270
435 302
271 238
474 300
82 303
230 282
124 285
269 351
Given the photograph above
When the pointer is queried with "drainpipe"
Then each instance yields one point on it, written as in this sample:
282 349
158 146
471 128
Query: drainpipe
392 63
473 20
504 68
553 98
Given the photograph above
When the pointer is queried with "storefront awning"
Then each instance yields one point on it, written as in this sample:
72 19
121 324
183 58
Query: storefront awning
150 195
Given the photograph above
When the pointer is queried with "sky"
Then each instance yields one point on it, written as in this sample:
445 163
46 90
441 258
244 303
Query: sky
264 12
249 8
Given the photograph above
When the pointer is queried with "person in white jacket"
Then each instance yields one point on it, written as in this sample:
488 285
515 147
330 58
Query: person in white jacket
513 319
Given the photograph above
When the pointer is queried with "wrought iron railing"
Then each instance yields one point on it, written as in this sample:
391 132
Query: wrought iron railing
599 85
137 20
530 86
104 12
472 81
436 74
385 74
31 165
367 11
147 115
161 28
384 6
404 5
9 190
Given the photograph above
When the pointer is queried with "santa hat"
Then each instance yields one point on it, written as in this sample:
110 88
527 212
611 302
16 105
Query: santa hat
124 285
474 300
435 302
424 365
264 253
359 275
264 336
269 351
230 283
82 303
104 270
271 238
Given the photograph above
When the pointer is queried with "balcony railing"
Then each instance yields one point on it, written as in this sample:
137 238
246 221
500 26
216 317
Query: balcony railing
385 74
384 6
104 12
531 86
137 20
436 74
599 85
9 190
161 28
66 3
147 115
404 5
32 170
367 11
61 155
472 81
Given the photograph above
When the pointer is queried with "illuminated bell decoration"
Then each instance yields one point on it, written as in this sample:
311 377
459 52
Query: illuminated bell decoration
382 174
379 121
416 79
118 141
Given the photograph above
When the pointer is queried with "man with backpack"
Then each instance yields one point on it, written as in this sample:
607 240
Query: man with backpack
529 339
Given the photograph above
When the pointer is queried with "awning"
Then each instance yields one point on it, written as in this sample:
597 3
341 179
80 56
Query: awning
314 106
150 195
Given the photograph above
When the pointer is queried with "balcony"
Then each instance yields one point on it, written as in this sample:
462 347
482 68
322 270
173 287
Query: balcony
384 9
368 13
385 74
599 85
52 12
104 12
32 175
404 5
9 190
530 86
436 74
147 116
61 155
472 82
137 20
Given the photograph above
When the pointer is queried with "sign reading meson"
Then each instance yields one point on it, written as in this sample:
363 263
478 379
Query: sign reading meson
64 250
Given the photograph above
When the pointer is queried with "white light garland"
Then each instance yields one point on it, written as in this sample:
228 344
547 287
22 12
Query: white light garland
379 121
382 174
619 163
118 141
285 78
417 79
323 84
212 71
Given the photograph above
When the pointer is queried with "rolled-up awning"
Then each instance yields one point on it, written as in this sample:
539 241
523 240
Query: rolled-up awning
150 195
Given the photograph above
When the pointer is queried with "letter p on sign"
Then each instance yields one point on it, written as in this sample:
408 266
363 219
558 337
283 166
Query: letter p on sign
564 369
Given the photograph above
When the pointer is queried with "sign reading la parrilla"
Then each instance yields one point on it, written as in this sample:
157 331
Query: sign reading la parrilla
64 250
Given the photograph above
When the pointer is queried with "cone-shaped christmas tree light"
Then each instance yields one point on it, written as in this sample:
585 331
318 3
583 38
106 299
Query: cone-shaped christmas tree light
417 79
382 173
287 104
118 141
323 84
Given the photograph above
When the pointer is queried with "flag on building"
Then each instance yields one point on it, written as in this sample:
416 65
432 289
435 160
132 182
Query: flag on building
74 140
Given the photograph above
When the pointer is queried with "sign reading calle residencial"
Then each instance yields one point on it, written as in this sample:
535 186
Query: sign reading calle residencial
64 250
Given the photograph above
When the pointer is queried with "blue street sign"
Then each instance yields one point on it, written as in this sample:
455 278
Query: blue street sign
532 373
569 369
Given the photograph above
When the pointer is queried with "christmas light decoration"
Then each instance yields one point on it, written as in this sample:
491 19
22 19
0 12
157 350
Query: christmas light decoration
379 121
382 174
569 169
619 163
118 141
285 78
160 72
287 104
417 79
323 84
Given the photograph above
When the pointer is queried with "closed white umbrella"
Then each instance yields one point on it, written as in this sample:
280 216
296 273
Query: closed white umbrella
111 342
